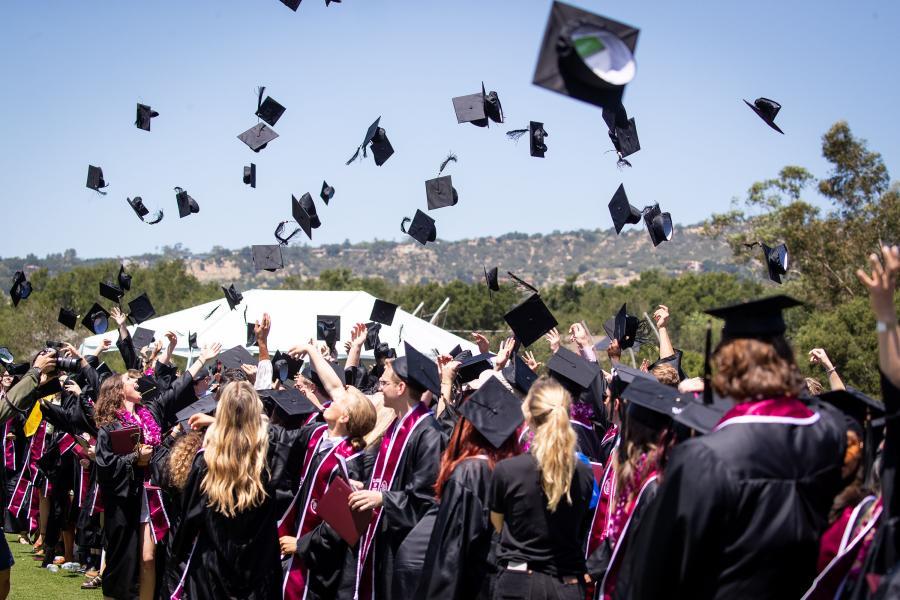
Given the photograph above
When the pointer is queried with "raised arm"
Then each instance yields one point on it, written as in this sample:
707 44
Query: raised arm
20 397
330 381
881 285
124 344
357 339
817 356
581 337
661 316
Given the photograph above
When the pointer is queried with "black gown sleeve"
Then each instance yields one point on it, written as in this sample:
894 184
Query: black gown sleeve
193 507
60 416
164 406
129 354
287 447
116 472
165 375
404 507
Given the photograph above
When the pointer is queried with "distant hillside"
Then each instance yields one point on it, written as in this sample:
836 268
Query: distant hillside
599 256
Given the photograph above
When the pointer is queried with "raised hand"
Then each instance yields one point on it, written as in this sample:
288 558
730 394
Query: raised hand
46 362
580 335
817 356
645 366
358 334
262 328
117 315
503 355
250 372
882 282
103 346
529 360
209 352
483 344
661 316
447 367
552 336
72 387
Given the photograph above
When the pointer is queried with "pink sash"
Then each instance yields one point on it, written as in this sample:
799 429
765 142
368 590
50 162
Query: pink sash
610 434
783 411
603 511
9 447
393 445
25 483
159 520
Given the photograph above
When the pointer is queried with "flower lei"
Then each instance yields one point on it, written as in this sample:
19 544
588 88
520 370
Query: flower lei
147 423
622 505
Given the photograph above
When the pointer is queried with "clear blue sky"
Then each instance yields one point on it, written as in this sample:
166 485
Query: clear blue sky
73 72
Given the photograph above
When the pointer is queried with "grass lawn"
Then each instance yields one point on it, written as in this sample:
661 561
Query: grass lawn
30 582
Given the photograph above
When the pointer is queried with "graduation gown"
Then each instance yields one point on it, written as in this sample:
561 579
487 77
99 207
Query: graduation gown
458 565
740 511
231 557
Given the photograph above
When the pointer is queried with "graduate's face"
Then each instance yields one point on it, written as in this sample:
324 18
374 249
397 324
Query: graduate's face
6 381
336 411
130 387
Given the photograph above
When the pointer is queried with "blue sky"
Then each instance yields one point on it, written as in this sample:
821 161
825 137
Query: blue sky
74 71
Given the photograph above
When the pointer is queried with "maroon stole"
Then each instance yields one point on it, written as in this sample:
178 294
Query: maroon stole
393 445
610 434
9 447
23 494
287 525
603 511
829 582
608 585
295 582
783 411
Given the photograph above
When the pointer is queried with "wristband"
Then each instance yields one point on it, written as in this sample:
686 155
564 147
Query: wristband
883 326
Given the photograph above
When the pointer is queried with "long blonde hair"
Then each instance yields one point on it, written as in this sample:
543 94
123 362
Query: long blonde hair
361 418
547 412
235 454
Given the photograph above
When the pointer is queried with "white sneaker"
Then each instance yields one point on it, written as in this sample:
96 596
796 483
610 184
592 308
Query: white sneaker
70 566
53 568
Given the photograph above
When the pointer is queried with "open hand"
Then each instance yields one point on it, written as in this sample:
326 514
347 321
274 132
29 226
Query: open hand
553 337
661 316
482 342
882 282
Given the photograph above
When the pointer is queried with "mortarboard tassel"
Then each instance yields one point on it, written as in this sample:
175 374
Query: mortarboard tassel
354 157
622 163
450 158
259 91
284 241
522 284
156 219
515 134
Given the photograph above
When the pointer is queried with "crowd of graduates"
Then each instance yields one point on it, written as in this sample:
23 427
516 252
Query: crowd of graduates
460 476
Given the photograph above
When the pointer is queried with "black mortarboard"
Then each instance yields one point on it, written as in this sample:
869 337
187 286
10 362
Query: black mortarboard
421 228
536 135
140 309
144 114
623 376
21 288
250 175
383 350
96 319
111 292
471 109
494 411
285 367
757 318
659 225
518 374
103 371
267 257
18 368
651 402
205 405
292 4
699 416
623 328
186 204
530 320
624 138
192 340
492 279
269 110
147 388
124 279
383 312
308 205
767 111
473 366
258 136
68 317
621 211
303 218
95 179
675 361
574 372
492 105
372 339
586 56
310 373
415 366
328 328
251 335
327 193
858 407
233 358
233 296
137 205
439 192
6 357
456 350
291 401
381 147
777 261
142 337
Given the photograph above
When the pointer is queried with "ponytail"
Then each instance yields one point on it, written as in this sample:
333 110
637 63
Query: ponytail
361 418
553 446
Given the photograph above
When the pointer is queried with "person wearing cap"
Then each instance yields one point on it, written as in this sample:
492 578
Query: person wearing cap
400 490
742 508
129 497
539 505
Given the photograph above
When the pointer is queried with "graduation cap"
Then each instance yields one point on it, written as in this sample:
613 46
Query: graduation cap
767 111
327 192
536 134
250 175
111 292
492 279
624 375
757 318
279 234
621 211
96 319
519 374
308 205
421 228
6 357
291 401
652 403
144 114
530 320
17 369
777 261
473 366
233 358
21 288
478 109
186 204
440 192
258 136
675 361
494 411
381 146
192 340
292 4
373 329
124 279
267 257
205 405
418 368
137 205
860 412
68 317
285 367
142 337
573 371
623 328
103 371
95 179
328 328
383 312
623 135
586 56
310 373
233 296
659 225
140 309
268 110
302 217
251 335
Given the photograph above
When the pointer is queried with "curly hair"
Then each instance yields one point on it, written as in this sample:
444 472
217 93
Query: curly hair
748 369
666 374
181 458
110 399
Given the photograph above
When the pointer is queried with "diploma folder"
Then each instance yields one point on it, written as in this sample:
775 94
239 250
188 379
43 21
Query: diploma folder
124 440
334 509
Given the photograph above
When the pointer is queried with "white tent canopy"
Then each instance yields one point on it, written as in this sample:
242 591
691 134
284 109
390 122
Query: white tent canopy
293 314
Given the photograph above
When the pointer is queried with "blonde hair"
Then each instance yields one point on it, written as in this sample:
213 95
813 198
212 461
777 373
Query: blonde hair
236 448
361 417
547 411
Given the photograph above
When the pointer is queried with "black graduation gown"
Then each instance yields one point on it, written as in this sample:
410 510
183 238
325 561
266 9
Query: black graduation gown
409 498
458 565
233 557
739 514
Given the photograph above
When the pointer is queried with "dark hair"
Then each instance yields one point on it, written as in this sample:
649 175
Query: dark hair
760 368
465 442
110 399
